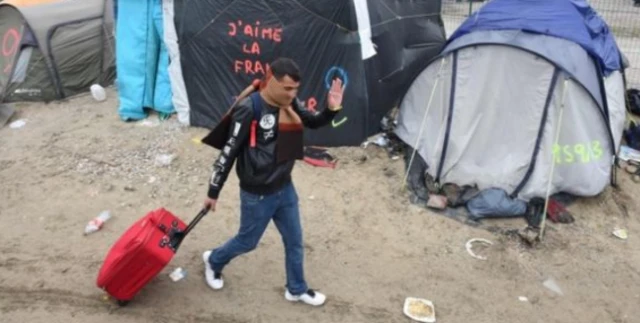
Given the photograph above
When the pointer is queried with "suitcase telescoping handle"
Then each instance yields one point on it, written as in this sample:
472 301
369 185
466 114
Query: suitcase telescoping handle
178 236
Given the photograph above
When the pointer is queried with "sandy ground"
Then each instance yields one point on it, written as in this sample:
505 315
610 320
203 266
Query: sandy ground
366 247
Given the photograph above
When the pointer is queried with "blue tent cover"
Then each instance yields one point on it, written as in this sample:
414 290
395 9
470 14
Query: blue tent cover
573 20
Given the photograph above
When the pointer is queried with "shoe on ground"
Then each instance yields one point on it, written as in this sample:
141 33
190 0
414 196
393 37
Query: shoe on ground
214 280
310 297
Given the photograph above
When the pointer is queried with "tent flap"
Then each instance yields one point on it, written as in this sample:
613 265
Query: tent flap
38 82
180 98
76 51
452 102
543 122
22 65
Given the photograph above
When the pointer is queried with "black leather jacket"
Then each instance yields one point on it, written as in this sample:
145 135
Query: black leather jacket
257 168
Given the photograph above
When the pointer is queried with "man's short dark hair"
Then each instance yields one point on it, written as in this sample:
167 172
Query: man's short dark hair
285 66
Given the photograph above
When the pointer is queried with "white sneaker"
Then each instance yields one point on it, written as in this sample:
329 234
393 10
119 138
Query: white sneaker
310 297
214 280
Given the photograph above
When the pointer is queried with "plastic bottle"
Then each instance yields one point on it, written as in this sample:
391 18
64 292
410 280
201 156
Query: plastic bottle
96 224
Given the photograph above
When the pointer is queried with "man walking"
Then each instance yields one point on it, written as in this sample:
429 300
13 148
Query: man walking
266 142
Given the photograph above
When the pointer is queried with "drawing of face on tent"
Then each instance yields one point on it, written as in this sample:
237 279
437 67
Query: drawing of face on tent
547 124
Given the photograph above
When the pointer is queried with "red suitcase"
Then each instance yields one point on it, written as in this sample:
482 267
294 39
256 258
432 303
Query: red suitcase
142 252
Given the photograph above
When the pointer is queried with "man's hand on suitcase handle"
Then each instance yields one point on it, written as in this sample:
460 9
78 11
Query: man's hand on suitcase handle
210 204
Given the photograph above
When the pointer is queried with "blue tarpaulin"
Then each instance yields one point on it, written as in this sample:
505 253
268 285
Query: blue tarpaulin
573 20
142 60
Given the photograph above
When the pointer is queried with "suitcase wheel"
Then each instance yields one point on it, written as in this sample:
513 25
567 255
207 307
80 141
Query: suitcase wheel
123 303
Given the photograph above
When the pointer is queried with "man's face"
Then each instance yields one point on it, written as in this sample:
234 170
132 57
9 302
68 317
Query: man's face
284 91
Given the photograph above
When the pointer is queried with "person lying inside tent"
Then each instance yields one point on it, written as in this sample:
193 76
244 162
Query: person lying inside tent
264 132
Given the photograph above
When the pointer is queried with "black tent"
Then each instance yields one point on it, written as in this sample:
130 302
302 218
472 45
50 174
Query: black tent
375 46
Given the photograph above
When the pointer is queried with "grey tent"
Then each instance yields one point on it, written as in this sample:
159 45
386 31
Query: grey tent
521 100
52 49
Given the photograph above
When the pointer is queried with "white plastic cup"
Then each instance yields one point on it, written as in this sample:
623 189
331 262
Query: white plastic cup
98 92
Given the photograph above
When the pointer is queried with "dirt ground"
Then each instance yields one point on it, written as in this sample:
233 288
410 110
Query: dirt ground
367 248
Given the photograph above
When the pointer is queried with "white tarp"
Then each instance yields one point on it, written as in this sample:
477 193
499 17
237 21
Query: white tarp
614 86
364 28
179 91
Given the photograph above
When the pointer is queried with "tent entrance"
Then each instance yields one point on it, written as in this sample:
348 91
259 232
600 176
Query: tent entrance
30 78
74 49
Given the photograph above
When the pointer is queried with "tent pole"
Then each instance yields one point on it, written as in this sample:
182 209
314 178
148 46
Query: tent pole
424 119
553 163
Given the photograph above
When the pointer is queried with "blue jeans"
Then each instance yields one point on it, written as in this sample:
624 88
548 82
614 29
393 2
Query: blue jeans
256 213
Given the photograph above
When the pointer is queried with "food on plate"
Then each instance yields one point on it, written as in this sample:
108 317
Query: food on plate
420 309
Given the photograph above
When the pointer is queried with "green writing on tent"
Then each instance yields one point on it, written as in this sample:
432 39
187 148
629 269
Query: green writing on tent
339 123
578 153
